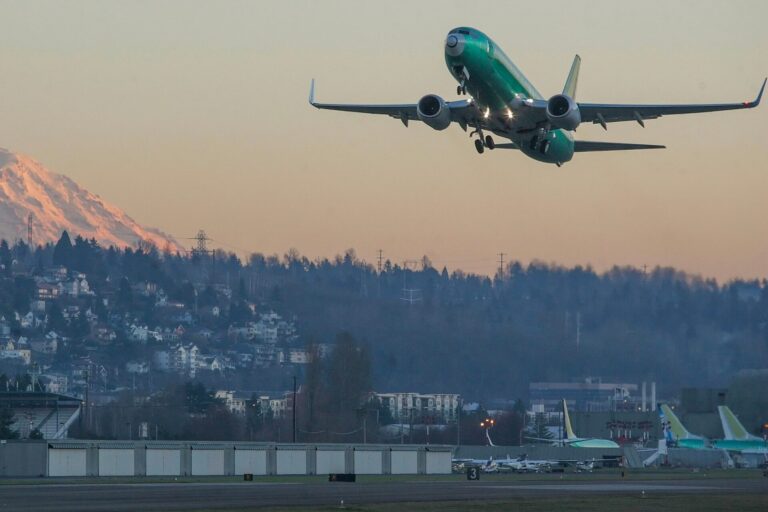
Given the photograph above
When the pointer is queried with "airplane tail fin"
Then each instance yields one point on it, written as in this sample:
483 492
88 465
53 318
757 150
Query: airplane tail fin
672 426
573 78
732 427
567 420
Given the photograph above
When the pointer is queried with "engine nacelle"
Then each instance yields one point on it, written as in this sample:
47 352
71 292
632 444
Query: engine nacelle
563 112
433 110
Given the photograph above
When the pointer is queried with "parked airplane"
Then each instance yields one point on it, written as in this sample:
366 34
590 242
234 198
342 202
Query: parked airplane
502 101
571 439
676 435
737 439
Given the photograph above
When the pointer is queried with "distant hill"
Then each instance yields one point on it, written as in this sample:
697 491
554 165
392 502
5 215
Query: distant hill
57 203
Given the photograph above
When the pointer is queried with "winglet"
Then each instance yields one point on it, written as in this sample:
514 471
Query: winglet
753 104
573 78
312 92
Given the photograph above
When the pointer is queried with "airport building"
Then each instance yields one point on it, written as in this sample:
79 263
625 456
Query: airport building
590 395
47 415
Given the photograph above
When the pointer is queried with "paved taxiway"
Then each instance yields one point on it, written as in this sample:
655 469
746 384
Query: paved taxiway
236 495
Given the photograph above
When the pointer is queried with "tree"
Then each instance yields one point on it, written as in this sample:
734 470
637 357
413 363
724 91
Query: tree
6 421
62 252
348 375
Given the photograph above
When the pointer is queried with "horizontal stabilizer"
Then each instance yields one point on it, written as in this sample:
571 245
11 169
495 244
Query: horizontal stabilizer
589 145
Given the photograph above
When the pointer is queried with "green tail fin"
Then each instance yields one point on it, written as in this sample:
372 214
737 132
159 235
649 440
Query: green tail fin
675 425
573 78
567 419
732 427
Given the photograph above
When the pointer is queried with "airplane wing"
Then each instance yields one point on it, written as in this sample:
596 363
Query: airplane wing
461 111
602 113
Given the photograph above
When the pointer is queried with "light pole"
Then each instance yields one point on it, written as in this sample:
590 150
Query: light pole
488 424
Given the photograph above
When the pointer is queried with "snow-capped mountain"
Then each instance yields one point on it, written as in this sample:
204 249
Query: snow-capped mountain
57 203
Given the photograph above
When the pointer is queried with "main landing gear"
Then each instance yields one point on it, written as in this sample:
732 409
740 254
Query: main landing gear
483 142
461 89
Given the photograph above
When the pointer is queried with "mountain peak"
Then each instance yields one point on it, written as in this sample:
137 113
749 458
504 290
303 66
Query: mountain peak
57 203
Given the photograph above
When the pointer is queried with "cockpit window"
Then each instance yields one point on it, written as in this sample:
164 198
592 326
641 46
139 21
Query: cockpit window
459 31
465 32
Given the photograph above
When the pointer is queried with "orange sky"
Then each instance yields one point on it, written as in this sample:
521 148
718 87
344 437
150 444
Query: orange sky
193 115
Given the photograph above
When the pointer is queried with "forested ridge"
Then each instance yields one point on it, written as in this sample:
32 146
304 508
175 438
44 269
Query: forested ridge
479 336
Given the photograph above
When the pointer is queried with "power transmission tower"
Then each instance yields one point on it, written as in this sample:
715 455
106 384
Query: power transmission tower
410 295
501 265
380 257
202 242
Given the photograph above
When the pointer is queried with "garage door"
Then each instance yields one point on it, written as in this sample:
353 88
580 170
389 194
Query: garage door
404 462
368 462
250 461
291 462
116 462
66 462
207 462
438 463
163 462
330 461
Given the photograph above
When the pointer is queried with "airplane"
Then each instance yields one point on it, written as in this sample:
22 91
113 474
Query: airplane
676 435
737 439
486 466
503 102
571 439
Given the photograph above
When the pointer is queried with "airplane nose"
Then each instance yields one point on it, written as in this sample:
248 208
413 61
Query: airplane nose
454 44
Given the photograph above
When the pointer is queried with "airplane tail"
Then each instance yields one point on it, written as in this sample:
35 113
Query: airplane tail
732 427
581 146
567 419
672 426
573 78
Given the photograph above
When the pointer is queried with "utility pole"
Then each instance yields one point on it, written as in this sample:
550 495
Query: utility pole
578 329
30 220
294 408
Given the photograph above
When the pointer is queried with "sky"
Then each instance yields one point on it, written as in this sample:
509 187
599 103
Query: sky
193 115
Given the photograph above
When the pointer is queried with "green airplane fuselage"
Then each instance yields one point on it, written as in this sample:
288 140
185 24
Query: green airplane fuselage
741 445
594 443
495 83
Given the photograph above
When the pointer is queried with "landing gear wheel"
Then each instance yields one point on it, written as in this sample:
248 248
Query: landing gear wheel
479 146
459 90
489 142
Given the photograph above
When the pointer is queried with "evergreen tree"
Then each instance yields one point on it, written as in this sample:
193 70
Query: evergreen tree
62 252
6 421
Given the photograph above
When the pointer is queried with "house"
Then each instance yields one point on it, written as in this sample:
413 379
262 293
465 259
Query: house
235 404
45 345
294 356
47 291
137 367
22 355
55 383
420 408
181 358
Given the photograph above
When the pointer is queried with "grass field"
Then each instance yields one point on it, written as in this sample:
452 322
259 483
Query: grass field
532 478
666 503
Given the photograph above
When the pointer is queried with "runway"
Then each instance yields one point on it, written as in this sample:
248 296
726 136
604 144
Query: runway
247 495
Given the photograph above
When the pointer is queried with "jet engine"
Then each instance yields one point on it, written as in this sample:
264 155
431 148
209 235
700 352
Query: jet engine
563 112
434 112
